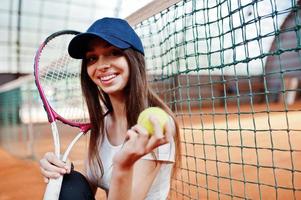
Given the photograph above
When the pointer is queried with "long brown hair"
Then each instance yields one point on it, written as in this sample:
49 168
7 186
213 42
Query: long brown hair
140 96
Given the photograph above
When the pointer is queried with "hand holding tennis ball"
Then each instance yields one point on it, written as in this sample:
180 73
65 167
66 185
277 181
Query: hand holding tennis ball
144 120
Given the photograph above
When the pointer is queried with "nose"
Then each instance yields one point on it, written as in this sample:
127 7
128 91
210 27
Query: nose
102 67
102 64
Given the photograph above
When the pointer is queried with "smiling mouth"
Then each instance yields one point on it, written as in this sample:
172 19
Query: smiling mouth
108 77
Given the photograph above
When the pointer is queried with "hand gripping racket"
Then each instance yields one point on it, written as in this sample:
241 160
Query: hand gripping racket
57 78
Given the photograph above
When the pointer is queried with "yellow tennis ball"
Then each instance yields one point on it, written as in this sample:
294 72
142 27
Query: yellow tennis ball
159 113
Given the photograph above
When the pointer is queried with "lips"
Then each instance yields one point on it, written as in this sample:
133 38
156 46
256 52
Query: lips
108 77
105 79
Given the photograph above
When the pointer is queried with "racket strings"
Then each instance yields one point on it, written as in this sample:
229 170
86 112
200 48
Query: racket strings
59 76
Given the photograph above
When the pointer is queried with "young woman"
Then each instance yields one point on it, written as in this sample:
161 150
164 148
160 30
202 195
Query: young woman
123 159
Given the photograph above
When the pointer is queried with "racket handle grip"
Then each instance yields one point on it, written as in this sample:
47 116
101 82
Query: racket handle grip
53 189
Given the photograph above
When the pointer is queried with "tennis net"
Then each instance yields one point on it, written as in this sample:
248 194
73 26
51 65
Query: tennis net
230 70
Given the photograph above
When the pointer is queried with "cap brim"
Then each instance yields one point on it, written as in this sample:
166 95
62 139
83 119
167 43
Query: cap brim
78 45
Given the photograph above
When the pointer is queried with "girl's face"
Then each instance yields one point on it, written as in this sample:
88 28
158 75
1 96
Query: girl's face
107 67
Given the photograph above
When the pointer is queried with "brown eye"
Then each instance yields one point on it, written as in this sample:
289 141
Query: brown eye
91 59
116 52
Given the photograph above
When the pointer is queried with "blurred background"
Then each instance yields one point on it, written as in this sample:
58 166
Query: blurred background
229 69
25 23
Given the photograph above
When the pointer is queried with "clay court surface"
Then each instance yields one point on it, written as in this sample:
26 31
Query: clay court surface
21 179
267 167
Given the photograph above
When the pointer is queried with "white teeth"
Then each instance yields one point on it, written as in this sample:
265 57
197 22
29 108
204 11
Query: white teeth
105 78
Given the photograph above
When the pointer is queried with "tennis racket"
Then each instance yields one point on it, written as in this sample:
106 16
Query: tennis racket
57 77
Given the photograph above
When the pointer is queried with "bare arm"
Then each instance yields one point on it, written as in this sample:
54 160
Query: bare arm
137 180
131 176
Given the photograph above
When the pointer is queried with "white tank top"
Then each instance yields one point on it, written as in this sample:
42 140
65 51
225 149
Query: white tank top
161 185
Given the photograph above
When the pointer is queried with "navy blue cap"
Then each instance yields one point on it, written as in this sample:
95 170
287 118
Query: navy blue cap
115 31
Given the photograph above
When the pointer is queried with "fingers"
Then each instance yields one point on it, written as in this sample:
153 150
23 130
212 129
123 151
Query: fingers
138 129
49 174
46 180
158 131
68 166
52 167
150 142
170 129
132 134
139 142
50 157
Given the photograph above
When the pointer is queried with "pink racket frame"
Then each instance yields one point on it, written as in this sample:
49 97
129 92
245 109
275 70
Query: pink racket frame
52 115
